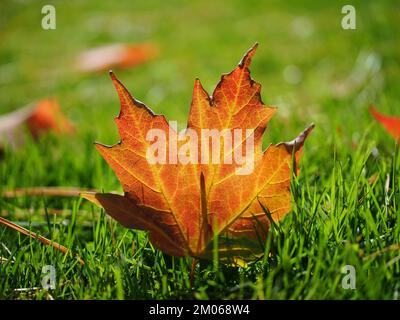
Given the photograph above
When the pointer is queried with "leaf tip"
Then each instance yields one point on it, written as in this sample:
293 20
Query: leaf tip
92 197
298 142
114 79
302 137
246 60
199 86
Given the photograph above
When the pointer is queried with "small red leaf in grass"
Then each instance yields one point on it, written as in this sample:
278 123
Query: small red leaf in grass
47 116
390 123
39 117
120 56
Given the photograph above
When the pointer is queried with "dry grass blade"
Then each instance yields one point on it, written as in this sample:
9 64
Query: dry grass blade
33 235
45 191
26 212
392 247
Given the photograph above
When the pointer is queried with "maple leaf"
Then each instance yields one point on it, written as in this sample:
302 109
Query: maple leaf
390 123
184 206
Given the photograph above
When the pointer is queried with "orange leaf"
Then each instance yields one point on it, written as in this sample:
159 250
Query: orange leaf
184 205
47 116
40 117
390 123
121 56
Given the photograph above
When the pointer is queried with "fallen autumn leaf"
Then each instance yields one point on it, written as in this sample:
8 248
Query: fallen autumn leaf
390 123
184 206
39 117
120 56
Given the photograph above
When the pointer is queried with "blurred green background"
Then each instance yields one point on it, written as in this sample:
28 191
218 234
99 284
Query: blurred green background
310 68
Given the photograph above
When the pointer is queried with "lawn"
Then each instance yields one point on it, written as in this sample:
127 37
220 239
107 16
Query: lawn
346 199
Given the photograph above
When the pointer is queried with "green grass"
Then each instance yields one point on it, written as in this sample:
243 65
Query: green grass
339 218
